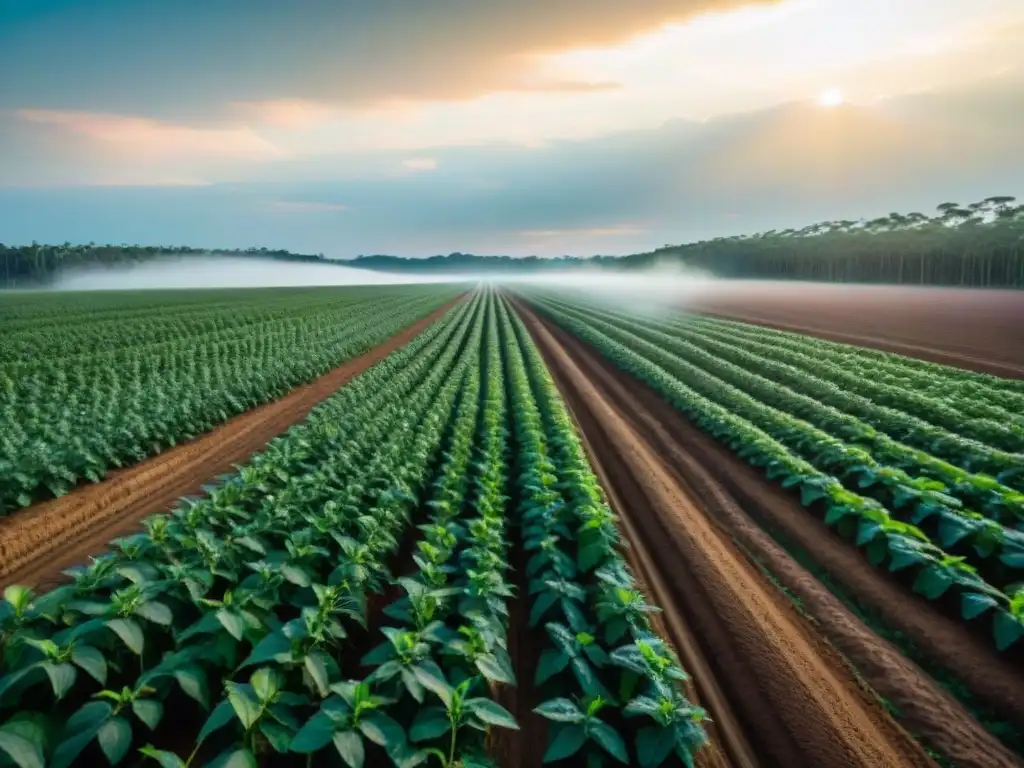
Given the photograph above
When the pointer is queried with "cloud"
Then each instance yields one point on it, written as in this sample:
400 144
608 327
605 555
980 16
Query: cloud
143 136
786 166
420 164
289 114
181 61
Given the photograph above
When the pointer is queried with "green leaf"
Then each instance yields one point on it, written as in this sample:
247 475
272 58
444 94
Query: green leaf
431 677
91 660
381 730
193 682
811 493
234 758
149 711
244 703
933 581
566 743
429 723
278 735
492 669
561 711
552 661
491 712
274 647
295 575
80 729
314 735
412 685
866 532
165 759
62 677
653 745
18 596
1007 629
115 737
609 739
973 604
24 751
350 747
232 622
130 633
158 613
588 681
317 670
222 714
89 717
265 682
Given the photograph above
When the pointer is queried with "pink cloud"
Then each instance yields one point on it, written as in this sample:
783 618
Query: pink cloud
142 135
290 114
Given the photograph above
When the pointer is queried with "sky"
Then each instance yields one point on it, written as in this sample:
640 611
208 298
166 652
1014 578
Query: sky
544 127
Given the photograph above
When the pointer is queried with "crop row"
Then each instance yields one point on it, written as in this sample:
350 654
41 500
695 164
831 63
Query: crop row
610 684
231 630
71 419
888 380
241 602
838 443
763 436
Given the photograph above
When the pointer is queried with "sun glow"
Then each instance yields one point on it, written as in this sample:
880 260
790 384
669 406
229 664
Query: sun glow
830 97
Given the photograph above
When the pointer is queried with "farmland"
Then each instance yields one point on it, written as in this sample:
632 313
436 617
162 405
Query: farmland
460 526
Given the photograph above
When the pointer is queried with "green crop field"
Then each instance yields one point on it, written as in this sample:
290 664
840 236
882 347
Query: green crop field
96 381
499 541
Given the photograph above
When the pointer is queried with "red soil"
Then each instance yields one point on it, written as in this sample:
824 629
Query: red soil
38 543
787 689
981 330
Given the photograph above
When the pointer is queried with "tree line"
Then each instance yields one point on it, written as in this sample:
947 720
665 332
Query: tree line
975 245
37 264
980 244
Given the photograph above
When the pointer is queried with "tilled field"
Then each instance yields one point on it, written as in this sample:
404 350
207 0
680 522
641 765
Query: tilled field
37 544
981 330
781 682
452 556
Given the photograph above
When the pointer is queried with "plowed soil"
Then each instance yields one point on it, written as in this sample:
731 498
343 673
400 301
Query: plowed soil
980 330
38 543
789 691
735 495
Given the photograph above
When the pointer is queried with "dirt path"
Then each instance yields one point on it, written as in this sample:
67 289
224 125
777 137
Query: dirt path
980 330
38 543
798 704
711 474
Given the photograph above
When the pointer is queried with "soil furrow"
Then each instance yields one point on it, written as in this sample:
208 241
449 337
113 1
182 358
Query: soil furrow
925 708
798 702
39 542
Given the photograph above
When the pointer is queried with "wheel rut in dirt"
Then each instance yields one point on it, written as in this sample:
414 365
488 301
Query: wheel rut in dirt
796 700
39 542
734 493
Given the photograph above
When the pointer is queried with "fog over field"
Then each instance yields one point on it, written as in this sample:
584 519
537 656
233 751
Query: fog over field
660 285
229 272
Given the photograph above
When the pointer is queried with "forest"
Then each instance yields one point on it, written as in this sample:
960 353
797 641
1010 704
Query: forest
980 244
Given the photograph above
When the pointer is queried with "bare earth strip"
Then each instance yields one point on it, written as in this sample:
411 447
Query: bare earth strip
798 702
980 330
38 543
